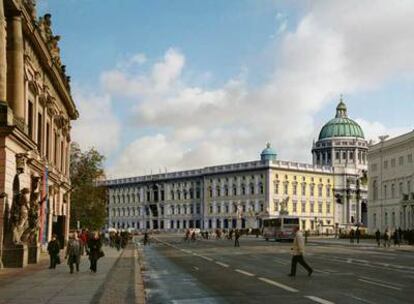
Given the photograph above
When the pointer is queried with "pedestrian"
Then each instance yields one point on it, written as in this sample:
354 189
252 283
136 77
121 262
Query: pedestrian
73 252
94 251
298 250
378 237
83 239
236 238
187 235
146 238
193 236
306 236
387 237
351 236
357 234
53 248
396 237
231 234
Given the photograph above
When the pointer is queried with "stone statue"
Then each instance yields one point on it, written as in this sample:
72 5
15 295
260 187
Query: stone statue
54 49
20 216
31 6
45 27
33 215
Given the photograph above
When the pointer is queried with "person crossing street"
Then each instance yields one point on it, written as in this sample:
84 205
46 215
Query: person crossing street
298 251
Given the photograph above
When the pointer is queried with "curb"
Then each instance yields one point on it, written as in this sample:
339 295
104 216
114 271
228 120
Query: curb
140 294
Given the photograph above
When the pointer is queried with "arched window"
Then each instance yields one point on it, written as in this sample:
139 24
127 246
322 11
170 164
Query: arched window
218 191
243 187
172 195
234 190
252 189
261 188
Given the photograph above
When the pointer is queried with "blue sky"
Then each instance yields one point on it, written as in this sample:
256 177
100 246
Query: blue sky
240 73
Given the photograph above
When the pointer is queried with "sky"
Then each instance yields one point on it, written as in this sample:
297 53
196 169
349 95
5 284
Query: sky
166 85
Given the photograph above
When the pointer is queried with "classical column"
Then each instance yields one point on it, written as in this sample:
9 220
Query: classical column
15 89
3 58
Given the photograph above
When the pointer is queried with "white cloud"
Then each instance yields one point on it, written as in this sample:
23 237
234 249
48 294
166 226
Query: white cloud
97 125
337 47
372 130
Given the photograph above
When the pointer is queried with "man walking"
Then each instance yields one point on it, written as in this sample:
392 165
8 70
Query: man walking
298 250
236 238
378 237
73 252
53 248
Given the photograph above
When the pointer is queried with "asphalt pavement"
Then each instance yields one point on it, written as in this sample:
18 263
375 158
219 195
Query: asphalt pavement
214 271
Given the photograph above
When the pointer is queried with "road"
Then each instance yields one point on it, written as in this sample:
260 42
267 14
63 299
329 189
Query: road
213 271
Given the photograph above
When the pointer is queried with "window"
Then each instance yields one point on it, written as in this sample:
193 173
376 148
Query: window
385 164
295 206
303 189
30 118
276 206
211 209
285 188
344 155
320 190
303 207
392 190
328 191
410 158
56 149
62 156
210 191
393 163
320 207
234 190
401 160
351 155
312 207
227 209
251 189
261 188
400 189
39 133
48 141
311 189
328 208
226 191
218 191
337 155
385 191
295 189
276 188
374 217
243 190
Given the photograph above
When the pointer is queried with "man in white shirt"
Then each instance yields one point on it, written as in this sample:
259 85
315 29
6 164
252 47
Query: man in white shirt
298 249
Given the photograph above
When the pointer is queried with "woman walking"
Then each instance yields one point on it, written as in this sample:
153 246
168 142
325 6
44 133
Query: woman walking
73 252
94 251
53 248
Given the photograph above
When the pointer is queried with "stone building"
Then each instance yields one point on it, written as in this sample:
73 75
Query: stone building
236 195
326 195
391 181
342 145
36 108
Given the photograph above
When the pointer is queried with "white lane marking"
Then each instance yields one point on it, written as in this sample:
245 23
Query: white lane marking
196 268
379 284
321 271
277 284
319 300
362 300
380 281
222 264
245 272
206 258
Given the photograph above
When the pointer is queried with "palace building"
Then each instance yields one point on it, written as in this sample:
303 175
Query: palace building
36 109
391 180
327 194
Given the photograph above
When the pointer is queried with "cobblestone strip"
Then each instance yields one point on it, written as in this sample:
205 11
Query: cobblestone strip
118 287
140 296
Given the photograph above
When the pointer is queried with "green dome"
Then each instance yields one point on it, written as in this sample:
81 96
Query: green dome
341 125
268 153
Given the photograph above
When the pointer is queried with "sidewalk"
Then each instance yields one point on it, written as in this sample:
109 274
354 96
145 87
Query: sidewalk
366 243
42 285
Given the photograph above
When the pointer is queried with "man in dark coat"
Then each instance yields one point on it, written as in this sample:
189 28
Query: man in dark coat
378 237
236 238
94 251
53 249
73 252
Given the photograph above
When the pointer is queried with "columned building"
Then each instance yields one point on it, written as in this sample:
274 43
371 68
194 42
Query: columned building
325 195
36 108
342 146
236 195
391 180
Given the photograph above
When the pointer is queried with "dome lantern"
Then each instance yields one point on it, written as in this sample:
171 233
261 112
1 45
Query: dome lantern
268 153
